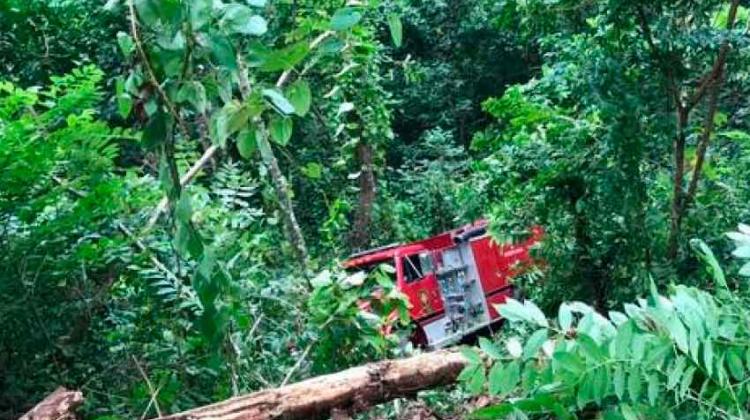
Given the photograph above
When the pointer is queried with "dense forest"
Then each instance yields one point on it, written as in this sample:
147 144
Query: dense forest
181 180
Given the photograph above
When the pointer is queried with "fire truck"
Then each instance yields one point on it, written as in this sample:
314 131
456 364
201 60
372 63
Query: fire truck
452 280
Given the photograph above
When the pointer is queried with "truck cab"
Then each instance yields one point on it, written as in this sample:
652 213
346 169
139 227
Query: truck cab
452 280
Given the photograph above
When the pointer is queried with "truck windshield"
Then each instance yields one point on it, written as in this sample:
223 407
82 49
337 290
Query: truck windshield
412 268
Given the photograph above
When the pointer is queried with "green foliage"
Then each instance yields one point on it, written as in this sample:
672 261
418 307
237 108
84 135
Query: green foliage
40 38
389 120
684 354
453 57
742 251
59 198
350 314
585 149
426 185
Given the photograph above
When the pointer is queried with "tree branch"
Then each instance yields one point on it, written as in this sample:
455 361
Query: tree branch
211 151
150 70
152 391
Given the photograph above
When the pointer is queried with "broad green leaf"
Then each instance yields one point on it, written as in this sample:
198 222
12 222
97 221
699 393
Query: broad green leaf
181 240
619 381
639 346
187 241
195 94
534 343
590 348
124 105
183 209
280 129
634 383
475 383
494 412
569 362
345 18
745 270
300 97
708 356
495 378
707 255
222 51
509 378
396 29
742 252
247 142
270 60
155 132
148 11
124 100
331 46
653 388
618 318
468 372
586 390
536 314
679 334
623 340
471 355
687 380
490 348
125 41
628 413
207 264
200 13
601 381
231 118
514 310
657 353
238 18
565 317
312 170
734 362
739 237
279 102
675 373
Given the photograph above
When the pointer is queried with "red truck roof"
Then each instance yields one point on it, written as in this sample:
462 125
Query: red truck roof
388 252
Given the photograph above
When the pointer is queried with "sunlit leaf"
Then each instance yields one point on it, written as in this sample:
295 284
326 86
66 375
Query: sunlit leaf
345 18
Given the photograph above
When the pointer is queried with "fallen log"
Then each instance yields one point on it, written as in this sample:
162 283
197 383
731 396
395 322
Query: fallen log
59 405
352 390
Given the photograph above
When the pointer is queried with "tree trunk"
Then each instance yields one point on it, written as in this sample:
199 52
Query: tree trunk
361 232
280 185
677 190
351 390
59 405
712 83
283 195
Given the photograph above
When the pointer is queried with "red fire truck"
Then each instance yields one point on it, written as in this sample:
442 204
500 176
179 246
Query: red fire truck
452 280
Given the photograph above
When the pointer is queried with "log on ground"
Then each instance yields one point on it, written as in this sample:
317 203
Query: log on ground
59 405
353 389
